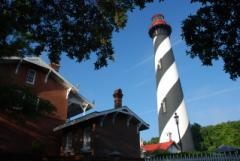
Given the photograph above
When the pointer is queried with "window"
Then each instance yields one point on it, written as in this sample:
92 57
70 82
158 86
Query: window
19 97
159 64
68 145
163 106
87 138
31 75
169 134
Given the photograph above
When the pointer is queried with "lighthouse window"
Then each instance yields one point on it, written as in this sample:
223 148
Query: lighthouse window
163 106
160 64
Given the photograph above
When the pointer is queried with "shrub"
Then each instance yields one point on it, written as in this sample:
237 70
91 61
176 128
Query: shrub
17 99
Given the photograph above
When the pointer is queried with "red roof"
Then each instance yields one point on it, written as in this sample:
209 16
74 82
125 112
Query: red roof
160 146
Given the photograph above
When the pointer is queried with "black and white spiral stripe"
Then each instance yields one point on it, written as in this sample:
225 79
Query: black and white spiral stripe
169 93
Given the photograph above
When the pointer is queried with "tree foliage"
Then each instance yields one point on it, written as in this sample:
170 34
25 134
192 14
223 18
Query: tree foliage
214 33
154 140
211 137
15 99
79 28
76 28
197 136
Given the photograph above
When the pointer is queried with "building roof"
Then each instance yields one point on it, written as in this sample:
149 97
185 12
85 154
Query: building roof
225 148
158 147
39 62
124 110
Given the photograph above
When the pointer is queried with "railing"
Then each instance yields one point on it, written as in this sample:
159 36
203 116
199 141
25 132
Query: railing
61 158
172 157
196 157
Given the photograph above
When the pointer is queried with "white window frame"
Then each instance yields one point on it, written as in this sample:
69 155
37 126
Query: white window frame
28 75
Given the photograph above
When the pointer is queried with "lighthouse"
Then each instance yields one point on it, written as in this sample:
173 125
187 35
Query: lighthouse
172 114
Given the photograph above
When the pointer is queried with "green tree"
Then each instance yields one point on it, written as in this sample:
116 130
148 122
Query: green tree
154 140
76 28
24 102
196 135
211 137
214 33
225 133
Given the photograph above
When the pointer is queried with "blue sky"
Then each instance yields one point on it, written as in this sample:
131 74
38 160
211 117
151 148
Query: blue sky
210 96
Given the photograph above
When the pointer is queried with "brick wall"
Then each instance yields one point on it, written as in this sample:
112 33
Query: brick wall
108 138
31 137
17 137
117 137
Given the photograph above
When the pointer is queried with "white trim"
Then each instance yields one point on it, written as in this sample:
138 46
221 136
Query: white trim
124 110
84 107
68 92
138 126
136 116
18 66
74 100
39 62
47 75
128 120
84 111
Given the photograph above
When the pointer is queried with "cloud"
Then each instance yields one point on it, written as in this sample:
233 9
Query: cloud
177 43
210 115
141 83
213 94
147 59
149 111
139 64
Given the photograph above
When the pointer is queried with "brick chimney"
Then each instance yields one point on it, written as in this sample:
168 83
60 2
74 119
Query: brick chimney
55 66
117 95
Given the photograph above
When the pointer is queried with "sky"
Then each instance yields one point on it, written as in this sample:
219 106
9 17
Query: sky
211 97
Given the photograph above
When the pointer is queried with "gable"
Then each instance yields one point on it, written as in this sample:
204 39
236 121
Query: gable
141 125
46 78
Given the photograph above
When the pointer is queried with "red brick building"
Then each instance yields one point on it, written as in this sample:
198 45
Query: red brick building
113 132
46 82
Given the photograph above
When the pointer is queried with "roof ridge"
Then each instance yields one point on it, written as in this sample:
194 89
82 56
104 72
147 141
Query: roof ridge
97 114
37 60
